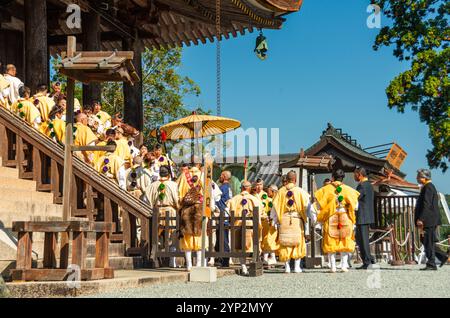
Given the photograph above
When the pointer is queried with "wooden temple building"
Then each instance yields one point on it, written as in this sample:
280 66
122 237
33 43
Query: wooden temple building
338 150
32 30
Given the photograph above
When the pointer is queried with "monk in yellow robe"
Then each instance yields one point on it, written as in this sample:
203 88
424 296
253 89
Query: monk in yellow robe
4 85
184 181
336 204
55 128
269 244
123 148
26 110
84 136
103 116
110 135
112 166
192 243
163 160
43 102
245 203
291 207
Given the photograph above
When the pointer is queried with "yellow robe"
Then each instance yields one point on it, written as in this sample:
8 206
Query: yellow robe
103 116
59 128
112 163
236 205
84 136
26 110
99 154
280 205
123 150
45 105
269 232
183 185
192 242
327 204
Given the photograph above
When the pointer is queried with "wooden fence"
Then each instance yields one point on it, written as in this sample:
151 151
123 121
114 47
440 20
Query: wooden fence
219 224
396 214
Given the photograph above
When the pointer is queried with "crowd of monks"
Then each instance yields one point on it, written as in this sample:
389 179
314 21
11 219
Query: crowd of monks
152 177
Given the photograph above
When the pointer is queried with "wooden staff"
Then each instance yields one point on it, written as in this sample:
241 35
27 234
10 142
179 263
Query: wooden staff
245 170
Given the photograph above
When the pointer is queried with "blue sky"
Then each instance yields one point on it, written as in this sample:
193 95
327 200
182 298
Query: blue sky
321 68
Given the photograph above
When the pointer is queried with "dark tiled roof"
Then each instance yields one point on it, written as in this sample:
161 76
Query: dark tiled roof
346 141
263 167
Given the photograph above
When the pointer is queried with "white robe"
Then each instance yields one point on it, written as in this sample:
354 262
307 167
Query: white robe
12 92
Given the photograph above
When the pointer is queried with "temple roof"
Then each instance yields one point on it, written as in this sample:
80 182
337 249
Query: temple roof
160 23
339 144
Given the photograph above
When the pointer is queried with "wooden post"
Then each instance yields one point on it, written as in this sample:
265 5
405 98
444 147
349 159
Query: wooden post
134 107
71 48
36 47
91 42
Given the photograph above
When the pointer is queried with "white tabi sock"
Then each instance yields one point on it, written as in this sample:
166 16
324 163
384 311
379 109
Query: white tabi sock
344 261
266 257
298 268
173 263
188 259
332 260
244 266
287 267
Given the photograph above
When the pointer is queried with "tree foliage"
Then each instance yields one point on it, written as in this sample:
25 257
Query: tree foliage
420 34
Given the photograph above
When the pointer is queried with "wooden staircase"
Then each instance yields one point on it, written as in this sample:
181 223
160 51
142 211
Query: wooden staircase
31 169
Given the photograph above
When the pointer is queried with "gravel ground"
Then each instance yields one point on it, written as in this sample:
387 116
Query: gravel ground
403 282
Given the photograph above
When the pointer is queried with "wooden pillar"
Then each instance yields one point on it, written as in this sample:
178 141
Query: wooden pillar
91 42
36 48
134 109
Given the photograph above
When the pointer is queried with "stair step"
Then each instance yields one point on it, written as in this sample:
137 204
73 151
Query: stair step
119 262
9 172
17 184
28 211
115 249
26 195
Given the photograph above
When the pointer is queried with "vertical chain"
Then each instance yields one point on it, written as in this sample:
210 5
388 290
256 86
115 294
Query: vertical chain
218 57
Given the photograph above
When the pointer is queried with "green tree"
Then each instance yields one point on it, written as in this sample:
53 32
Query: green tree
420 34
55 76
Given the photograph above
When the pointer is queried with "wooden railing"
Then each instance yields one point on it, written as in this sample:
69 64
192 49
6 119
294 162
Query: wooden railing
93 196
396 213
238 228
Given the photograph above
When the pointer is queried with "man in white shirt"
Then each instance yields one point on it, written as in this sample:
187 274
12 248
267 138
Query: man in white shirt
12 92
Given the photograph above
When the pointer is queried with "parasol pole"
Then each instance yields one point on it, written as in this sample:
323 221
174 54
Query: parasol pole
207 172
245 170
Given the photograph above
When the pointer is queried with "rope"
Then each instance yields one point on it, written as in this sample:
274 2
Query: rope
382 237
441 243
218 57
404 243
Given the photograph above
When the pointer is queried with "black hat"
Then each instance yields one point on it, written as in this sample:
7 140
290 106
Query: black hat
164 171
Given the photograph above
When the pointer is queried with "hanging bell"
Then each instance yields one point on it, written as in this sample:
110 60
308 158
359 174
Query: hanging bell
261 47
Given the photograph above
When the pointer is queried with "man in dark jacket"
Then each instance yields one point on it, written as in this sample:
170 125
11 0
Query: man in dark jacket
427 218
364 216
